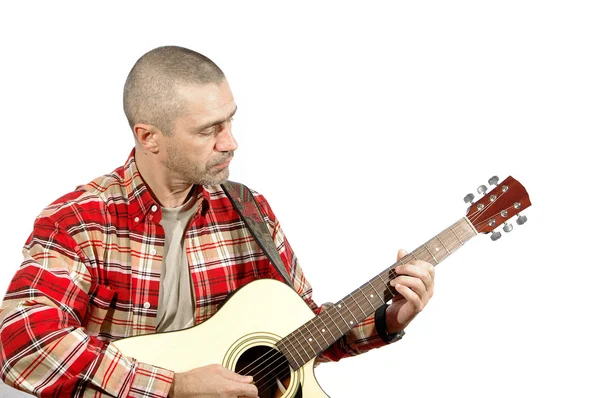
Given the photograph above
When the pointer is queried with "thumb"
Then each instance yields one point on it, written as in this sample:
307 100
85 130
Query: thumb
401 253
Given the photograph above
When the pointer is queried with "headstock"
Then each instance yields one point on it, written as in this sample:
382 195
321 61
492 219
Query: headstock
496 207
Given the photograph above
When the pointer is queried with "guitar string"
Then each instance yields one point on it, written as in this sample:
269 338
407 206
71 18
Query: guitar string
353 308
278 370
487 220
358 302
299 330
491 203
312 320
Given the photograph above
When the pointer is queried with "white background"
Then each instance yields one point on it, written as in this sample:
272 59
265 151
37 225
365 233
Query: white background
364 126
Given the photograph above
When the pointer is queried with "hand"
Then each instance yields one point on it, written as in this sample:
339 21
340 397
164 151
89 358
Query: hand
212 381
415 287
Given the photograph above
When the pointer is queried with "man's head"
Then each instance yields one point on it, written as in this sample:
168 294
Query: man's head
179 106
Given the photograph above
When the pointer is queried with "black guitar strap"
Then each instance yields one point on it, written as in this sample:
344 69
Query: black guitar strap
245 204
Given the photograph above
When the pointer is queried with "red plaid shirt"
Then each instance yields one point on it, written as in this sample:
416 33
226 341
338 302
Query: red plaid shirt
91 275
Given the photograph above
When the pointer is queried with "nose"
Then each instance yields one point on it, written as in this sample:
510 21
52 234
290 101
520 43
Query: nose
225 141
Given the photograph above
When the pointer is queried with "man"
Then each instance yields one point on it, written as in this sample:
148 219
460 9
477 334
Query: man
157 246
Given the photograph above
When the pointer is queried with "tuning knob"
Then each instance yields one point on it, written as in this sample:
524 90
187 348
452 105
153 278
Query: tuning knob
507 227
496 235
469 198
482 189
521 220
494 180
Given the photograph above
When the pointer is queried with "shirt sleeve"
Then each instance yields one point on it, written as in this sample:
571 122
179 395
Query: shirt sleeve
361 338
45 349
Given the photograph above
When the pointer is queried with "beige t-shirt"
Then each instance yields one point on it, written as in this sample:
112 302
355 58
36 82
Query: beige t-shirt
175 302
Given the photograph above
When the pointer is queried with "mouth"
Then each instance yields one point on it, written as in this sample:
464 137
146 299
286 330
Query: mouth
224 164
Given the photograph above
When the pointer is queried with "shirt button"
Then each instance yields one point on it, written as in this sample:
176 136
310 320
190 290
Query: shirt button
136 219
146 305
153 252
154 208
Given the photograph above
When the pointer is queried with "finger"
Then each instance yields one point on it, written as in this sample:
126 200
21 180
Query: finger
247 390
412 275
401 253
411 297
415 284
420 269
230 375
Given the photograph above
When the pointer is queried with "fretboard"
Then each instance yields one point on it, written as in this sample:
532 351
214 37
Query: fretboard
322 331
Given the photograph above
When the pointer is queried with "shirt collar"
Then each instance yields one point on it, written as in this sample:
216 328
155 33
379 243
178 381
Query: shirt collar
141 202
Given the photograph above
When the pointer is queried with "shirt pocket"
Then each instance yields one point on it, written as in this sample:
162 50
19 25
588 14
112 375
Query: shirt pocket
99 305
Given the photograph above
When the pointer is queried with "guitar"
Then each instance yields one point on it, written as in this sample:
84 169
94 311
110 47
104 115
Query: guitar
266 330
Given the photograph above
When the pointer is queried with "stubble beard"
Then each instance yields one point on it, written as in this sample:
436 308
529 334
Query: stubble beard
197 173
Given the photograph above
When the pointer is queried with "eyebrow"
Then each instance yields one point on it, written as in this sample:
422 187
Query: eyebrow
219 121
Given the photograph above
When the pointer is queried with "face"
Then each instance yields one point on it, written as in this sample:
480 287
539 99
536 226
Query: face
201 143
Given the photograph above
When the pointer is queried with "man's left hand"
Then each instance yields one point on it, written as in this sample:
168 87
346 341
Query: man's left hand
415 287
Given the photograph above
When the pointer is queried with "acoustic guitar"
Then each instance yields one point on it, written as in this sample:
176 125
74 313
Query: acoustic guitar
267 331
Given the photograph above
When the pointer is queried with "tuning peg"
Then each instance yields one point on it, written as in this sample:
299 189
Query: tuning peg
507 227
496 235
521 220
469 198
482 189
494 180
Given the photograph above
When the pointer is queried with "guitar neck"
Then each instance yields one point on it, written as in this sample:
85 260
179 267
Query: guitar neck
319 333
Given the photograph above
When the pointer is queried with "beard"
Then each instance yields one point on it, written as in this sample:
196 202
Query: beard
196 172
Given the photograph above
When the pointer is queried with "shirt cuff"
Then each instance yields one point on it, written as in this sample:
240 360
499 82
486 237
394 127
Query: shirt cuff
151 381
381 326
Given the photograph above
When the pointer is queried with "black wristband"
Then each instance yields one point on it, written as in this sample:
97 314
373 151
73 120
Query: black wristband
381 326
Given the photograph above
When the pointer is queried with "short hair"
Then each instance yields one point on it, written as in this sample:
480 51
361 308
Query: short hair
150 93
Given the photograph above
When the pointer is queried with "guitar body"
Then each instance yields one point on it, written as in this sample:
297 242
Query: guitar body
243 335
240 336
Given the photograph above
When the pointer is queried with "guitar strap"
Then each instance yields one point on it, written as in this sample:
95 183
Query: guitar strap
245 204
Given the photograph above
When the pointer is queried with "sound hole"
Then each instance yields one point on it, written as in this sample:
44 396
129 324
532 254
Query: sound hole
269 369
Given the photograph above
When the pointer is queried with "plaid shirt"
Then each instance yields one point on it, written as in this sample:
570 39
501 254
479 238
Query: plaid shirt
91 275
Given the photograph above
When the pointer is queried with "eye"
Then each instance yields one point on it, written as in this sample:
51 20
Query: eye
208 131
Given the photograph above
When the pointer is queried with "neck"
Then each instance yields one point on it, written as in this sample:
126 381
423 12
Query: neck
168 191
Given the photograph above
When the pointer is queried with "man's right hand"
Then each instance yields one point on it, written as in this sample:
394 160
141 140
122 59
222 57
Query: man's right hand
212 381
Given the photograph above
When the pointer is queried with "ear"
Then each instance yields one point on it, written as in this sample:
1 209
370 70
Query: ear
148 136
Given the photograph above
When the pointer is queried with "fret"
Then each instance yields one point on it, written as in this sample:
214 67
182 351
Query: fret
368 300
452 242
421 254
376 292
442 242
337 309
349 317
326 328
334 322
302 342
431 254
314 326
359 307
387 285
458 237
285 343
312 339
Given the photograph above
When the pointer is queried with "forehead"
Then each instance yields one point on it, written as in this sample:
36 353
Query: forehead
206 102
